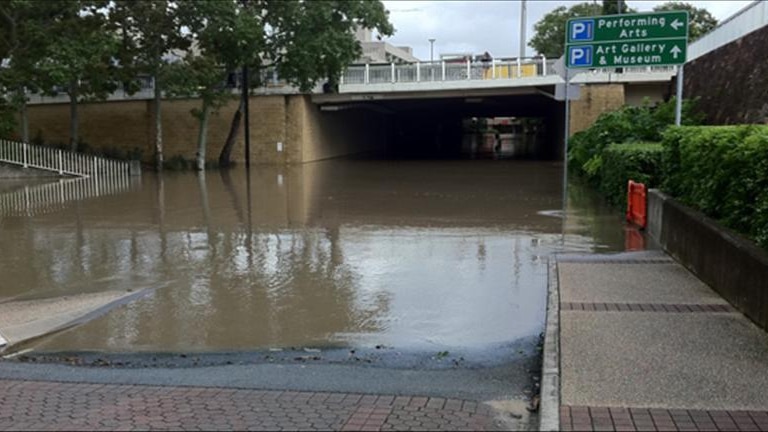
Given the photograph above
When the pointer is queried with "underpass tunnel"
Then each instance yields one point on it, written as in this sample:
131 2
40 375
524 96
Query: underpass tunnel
515 126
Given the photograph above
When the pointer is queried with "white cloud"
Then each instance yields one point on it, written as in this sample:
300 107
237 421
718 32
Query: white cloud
493 26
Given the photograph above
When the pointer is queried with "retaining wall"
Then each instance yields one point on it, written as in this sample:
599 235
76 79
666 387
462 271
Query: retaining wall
284 129
732 265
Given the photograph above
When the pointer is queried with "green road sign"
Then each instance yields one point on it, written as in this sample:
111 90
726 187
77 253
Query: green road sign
646 39
656 52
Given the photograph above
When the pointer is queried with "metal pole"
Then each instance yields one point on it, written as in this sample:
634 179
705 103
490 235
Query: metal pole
246 114
679 96
431 50
522 27
565 149
469 69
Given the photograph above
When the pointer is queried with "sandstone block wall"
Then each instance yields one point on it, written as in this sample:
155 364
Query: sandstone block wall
129 125
595 100
304 131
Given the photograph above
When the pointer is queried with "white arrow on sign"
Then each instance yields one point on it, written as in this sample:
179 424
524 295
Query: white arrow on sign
675 51
676 24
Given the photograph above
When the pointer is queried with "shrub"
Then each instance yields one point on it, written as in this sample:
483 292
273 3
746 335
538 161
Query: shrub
640 162
723 172
178 163
625 125
7 119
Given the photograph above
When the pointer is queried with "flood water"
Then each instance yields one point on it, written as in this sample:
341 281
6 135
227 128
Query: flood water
415 255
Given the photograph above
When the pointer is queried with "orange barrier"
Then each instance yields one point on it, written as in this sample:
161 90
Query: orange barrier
636 211
634 240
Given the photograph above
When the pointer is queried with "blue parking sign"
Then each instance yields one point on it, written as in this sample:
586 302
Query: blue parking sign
581 30
580 55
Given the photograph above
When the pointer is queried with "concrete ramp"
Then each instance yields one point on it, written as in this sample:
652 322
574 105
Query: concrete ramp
24 320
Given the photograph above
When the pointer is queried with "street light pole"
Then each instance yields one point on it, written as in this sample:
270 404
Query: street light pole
523 13
431 50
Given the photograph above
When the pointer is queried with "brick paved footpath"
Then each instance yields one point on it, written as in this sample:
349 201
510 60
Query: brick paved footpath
36 405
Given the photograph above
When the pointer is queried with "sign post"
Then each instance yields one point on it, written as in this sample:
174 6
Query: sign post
624 40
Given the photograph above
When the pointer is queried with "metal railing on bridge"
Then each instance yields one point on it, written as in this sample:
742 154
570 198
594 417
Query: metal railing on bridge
462 70
457 70
63 162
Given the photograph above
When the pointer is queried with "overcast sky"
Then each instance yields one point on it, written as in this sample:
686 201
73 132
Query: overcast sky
493 26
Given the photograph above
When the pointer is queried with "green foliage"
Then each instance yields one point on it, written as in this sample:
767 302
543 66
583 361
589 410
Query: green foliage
722 171
549 32
79 58
700 21
628 124
611 7
640 162
315 39
7 119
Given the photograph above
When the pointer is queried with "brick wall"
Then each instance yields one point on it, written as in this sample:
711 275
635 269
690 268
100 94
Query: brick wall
731 81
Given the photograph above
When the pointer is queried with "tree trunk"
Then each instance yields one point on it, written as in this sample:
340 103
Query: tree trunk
226 151
202 137
73 121
158 127
24 116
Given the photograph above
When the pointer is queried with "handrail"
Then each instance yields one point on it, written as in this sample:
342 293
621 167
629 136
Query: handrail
63 162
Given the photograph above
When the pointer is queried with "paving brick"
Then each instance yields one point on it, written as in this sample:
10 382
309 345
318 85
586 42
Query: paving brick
55 406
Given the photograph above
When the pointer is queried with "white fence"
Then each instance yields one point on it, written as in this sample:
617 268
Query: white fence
747 20
60 161
55 196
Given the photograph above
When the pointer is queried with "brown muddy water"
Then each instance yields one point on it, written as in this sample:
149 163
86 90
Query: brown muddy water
415 255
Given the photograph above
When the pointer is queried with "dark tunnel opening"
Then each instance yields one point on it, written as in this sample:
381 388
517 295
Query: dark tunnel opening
526 127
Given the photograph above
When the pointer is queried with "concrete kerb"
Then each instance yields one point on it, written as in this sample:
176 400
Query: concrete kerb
549 418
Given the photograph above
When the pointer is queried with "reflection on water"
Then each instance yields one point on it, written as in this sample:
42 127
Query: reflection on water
413 255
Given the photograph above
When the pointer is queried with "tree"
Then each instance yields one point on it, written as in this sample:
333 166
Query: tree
549 37
202 72
151 33
611 7
24 37
80 60
700 21
318 39
306 41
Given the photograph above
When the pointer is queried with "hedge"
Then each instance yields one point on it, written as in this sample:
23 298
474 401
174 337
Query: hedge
640 162
722 171
628 124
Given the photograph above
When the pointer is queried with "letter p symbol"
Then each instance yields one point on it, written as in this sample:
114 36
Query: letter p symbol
581 30
580 56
